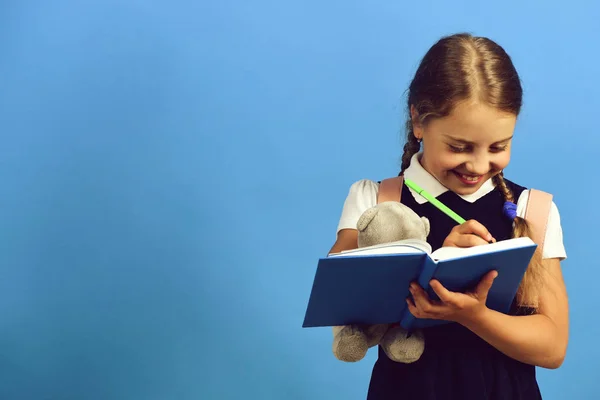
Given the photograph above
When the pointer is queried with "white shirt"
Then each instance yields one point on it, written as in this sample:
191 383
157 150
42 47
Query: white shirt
363 195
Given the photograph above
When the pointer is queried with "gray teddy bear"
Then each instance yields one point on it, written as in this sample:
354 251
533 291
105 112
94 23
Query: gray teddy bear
386 222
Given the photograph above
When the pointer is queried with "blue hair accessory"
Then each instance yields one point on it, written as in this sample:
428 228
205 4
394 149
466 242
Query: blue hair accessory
510 210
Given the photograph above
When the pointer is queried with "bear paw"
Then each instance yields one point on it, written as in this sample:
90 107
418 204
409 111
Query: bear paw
350 344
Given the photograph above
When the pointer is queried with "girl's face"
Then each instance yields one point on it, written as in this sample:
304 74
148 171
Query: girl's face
466 148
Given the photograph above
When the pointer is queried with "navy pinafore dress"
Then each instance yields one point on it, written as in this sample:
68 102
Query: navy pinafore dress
456 363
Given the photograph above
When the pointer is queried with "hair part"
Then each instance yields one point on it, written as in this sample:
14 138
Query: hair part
459 68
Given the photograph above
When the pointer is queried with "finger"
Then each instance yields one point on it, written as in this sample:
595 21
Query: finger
444 294
422 301
485 284
469 240
412 308
417 313
417 291
476 228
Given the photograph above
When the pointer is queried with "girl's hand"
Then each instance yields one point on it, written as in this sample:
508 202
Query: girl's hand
468 234
455 307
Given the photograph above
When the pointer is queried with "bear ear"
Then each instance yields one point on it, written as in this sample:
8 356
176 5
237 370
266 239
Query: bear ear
366 218
426 225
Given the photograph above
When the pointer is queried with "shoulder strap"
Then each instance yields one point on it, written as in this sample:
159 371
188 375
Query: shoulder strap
390 189
536 214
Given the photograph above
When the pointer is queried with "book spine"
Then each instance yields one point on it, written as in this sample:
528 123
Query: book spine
407 320
429 266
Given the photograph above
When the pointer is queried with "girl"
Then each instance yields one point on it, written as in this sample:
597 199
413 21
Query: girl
463 104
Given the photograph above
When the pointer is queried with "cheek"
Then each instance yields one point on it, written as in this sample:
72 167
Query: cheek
449 162
501 160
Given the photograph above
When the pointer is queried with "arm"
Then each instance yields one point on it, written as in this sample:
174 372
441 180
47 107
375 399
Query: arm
539 339
347 240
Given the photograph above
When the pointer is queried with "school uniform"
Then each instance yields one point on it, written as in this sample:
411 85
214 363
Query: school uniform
456 363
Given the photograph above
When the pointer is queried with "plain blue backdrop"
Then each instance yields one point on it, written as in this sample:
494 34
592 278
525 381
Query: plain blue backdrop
170 171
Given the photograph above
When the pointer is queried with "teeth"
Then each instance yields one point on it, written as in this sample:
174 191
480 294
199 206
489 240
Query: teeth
470 178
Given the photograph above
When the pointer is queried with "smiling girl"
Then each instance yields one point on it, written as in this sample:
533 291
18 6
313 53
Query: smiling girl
463 104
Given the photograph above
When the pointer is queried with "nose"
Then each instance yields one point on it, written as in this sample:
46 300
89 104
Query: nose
478 165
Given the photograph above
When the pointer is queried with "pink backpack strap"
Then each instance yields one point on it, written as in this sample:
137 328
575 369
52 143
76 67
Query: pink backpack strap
390 189
536 214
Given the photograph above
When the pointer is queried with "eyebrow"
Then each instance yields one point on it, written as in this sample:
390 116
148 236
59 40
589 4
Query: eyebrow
469 142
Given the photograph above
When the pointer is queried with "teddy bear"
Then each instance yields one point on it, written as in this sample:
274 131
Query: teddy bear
385 222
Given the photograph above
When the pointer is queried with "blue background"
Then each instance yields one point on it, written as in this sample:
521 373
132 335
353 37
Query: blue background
171 171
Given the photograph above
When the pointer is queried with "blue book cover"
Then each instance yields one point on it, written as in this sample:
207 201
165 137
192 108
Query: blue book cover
370 285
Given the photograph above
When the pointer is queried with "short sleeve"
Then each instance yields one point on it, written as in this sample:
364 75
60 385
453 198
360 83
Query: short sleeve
553 243
361 196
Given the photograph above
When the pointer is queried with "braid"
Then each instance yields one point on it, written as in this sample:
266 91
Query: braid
501 184
411 147
529 290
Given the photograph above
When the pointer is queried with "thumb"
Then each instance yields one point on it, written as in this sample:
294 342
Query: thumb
485 284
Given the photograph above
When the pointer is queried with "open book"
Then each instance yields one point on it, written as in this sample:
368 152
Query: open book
370 285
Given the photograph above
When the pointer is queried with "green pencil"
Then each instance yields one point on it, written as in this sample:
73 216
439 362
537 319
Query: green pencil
442 207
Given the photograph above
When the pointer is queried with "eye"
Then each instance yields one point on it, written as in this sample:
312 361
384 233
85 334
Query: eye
498 149
458 149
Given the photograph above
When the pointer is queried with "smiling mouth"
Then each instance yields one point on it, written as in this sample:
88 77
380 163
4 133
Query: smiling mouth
468 179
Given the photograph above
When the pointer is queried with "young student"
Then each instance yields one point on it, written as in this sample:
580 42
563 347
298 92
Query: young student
463 105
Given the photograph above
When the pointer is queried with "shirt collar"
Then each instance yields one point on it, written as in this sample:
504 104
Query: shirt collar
416 173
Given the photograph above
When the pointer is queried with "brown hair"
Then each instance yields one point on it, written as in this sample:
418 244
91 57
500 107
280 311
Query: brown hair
462 67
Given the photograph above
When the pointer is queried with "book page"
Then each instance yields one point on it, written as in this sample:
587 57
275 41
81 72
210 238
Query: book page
407 246
446 253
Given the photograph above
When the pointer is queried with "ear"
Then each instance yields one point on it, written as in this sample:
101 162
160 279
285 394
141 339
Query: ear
366 218
426 225
416 123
